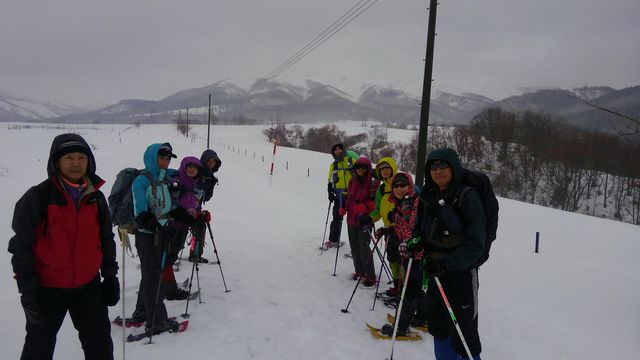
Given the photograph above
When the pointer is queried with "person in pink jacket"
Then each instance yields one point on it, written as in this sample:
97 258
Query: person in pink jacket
360 202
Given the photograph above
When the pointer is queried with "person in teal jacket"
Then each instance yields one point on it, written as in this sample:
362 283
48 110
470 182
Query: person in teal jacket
155 214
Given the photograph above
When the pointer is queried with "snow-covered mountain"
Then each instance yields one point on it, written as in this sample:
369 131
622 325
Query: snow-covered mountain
467 102
16 109
589 93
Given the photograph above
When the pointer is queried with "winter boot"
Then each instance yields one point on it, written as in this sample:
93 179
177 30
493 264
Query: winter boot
369 281
193 258
355 276
169 325
177 294
393 291
387 330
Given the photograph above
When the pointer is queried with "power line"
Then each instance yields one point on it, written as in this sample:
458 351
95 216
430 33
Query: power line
360 7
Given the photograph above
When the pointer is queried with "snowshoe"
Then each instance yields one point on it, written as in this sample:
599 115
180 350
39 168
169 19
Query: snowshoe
378 333
328 245
177 294
129 322
418 325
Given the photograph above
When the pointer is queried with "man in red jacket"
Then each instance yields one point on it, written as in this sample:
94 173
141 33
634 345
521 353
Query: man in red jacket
63 243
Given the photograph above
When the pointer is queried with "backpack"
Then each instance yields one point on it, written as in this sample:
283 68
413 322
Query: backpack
478 181
121 197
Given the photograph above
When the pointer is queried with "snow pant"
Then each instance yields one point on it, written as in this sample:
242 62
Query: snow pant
393 255
415 303
461 288
361 254
88 313
150 255
335 229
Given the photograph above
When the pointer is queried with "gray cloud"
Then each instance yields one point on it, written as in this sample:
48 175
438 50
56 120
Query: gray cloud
100 52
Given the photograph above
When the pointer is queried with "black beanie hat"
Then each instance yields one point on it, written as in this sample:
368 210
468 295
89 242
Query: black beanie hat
69 147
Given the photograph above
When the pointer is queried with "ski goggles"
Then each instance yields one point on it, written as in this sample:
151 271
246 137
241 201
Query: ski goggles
438 165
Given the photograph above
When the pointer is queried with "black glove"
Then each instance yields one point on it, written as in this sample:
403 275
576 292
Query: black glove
433 268
110 290
181 214
364 220
391 216
147 221
214 181
380 232
332 194
31 306
175 190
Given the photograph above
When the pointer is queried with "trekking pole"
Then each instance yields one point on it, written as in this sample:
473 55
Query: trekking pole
335 264
215 250
197 262
453 317
387 271
399 309
193 267
325 229
346 310
155 304
124 240
375 295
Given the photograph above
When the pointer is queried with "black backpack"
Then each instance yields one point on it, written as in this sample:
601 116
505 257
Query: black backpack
121 197
474 180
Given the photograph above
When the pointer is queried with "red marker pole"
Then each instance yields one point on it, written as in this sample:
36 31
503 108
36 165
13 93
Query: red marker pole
273 160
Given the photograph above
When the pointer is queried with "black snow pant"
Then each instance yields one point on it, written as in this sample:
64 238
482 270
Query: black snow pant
361 254
335 229
89 316
150 255
461 288
415 303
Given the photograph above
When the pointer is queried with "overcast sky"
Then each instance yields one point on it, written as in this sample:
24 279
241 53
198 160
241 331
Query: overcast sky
99 52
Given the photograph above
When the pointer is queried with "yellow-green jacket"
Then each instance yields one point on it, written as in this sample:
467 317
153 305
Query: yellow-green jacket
383 205
340 171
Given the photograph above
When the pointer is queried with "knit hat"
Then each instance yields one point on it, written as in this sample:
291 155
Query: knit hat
70 146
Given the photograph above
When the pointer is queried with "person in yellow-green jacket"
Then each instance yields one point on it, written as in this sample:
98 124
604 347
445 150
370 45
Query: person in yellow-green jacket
386 168
338 182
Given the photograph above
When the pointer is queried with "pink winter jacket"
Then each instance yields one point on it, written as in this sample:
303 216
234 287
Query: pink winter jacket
361 197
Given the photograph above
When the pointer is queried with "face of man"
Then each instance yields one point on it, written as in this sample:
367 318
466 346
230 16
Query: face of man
73 166
163 162
338 152
211 163
441 174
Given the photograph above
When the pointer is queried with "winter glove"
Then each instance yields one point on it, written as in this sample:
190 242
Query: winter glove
342 211
332 194
360 209
214 181
406 251
384 231
433 268
365 220
182 215
391 217
147 221
110 290
31 306
175 189
205 216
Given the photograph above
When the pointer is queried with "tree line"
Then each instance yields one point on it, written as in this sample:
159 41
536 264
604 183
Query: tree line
529 156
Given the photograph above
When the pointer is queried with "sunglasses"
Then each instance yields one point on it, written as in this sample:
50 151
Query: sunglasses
399 185
438 165
360 167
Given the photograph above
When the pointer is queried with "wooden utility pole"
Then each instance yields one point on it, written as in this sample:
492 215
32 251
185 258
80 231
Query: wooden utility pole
426 95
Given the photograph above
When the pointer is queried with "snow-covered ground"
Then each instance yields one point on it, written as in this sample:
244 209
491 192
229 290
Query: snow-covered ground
577 299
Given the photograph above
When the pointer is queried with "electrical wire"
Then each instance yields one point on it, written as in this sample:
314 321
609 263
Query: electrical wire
360 7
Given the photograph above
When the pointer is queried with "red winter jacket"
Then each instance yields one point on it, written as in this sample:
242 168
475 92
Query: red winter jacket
58 245
362 192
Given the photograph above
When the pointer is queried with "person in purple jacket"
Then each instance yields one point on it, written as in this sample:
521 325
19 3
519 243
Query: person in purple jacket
189 197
